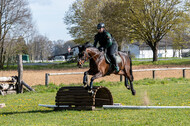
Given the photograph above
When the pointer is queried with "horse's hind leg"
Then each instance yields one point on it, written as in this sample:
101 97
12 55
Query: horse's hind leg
126 83
132 89
130 77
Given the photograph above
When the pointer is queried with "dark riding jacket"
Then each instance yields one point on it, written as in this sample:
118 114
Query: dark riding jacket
105 39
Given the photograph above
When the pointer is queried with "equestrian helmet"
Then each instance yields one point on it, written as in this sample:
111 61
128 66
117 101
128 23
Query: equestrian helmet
100 25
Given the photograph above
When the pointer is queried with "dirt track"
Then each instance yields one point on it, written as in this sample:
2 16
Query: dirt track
35 77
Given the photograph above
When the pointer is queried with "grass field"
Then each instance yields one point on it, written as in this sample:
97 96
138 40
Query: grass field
69 65
23 109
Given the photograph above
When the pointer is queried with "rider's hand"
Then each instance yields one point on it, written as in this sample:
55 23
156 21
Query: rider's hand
101 49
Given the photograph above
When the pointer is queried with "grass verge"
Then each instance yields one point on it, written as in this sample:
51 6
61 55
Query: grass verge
23 109
73 65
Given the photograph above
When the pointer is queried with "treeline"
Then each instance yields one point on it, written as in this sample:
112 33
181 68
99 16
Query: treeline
19 35
144 21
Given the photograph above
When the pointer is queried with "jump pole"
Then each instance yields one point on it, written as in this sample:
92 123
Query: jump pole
144 107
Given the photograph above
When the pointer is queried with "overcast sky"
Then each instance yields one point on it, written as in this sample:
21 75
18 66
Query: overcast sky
48 16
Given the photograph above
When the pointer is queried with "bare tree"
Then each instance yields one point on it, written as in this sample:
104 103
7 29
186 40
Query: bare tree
14 16
40 48
58 47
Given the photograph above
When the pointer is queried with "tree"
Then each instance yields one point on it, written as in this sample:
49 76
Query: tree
68 44
20 46
82 19
150 20
14 16
40 48
111 14
142 20
58 47
180 37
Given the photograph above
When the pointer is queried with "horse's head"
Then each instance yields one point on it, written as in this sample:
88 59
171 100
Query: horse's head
83 55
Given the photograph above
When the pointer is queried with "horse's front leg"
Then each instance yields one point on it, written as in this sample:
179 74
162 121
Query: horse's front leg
85 79
98 75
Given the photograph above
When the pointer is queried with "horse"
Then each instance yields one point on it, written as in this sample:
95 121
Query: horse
99 67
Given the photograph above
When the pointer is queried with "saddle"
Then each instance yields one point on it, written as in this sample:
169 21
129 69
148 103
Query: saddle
111 68
108 60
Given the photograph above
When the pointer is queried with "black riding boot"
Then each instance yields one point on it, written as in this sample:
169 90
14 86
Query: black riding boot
114 62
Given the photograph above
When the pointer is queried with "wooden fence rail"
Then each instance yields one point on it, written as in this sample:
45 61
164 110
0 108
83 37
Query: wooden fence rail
139 70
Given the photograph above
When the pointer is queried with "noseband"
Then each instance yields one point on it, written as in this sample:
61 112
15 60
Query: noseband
87 56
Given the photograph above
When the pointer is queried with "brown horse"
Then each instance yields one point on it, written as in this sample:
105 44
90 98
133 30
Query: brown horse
99 67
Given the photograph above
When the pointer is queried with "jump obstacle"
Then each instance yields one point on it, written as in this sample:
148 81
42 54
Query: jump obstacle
143 107
14 84
78 98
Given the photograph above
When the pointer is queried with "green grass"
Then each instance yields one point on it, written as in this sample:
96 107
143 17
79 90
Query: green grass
23 109
164 62
73 65
64 65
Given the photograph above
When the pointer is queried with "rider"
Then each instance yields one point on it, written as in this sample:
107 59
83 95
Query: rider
107 42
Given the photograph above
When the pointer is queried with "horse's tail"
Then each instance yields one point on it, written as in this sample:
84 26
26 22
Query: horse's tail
131 72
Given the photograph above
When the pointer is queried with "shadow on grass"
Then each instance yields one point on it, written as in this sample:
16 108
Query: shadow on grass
37 111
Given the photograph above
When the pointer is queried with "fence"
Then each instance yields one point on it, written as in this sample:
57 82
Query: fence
139 70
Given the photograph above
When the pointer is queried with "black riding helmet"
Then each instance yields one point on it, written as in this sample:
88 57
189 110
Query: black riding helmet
100 25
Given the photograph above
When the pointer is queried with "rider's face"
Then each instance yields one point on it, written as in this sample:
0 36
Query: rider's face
100 30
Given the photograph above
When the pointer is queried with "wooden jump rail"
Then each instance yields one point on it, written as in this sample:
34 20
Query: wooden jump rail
53 74
139 70
14 84
8 85
78 98
162 69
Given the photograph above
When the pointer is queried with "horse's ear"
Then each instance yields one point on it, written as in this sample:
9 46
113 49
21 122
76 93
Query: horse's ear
87 44
80 48
74 46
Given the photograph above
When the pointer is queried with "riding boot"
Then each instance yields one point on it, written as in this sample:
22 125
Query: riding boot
116 67
113 59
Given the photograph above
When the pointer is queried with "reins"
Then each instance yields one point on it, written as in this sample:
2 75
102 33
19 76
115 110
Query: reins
90 57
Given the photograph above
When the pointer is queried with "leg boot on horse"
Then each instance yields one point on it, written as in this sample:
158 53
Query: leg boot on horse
98 75
85 80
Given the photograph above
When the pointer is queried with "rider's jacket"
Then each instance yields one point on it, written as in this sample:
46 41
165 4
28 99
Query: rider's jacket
105 39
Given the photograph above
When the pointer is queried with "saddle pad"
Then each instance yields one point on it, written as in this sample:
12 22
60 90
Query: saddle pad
118 58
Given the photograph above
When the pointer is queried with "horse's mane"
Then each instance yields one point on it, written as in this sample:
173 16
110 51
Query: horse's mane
87 45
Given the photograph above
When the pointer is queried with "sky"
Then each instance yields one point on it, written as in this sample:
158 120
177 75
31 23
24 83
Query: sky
48 16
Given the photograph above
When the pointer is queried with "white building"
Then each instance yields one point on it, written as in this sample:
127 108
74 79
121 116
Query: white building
144 51
59 58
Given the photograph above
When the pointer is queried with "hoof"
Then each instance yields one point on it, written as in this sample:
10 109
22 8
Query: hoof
90 92
134 92
128 87
85 83
86 87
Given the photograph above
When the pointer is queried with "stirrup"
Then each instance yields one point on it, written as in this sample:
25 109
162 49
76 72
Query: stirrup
116 68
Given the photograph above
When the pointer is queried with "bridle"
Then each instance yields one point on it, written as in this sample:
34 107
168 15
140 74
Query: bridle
87 56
